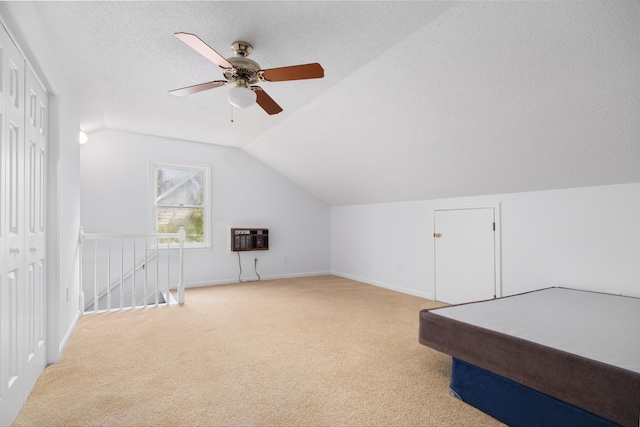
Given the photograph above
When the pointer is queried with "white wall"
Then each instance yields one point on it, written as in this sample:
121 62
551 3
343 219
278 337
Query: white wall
116 199
63 175
586 238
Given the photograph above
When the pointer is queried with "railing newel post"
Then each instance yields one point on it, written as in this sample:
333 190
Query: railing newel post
80 244
182 237
109 275
133 278
122 273
145 267
95 277
168 294
157 297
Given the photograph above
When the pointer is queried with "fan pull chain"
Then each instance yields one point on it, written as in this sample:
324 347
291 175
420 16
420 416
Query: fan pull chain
231 113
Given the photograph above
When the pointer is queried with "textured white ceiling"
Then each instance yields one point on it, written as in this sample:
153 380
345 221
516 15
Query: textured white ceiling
420 100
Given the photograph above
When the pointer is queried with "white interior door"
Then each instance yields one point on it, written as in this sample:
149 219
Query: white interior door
23 111
35 206
12 309
465 265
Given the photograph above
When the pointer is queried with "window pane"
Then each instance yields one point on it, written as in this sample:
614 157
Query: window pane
170 219
179 187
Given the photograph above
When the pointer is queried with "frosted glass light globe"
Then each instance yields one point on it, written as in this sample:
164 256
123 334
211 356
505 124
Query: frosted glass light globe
241 97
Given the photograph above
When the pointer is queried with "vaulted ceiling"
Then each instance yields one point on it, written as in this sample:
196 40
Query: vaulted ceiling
420 100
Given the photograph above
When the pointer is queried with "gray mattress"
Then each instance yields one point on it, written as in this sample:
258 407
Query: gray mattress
577 346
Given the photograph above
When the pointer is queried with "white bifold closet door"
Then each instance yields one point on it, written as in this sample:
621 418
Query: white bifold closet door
23 122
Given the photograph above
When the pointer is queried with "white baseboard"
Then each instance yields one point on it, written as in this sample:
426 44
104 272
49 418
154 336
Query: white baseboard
389 286
254 278
67 336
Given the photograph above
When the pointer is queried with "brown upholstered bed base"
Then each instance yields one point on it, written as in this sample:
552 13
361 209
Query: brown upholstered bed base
605 390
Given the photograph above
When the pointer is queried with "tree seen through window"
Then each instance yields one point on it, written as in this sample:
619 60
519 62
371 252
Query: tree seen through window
180 201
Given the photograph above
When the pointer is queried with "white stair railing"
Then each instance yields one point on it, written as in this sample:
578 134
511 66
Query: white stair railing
131 268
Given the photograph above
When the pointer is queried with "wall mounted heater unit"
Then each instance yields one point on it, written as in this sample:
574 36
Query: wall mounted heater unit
249 239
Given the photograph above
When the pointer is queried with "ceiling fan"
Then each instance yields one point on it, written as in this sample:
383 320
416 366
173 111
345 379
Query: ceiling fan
244 73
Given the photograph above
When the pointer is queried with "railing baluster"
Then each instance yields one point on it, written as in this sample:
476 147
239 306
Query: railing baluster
99 258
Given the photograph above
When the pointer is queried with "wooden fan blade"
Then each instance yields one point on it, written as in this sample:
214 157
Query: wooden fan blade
198 88
295 72
204 49
265 101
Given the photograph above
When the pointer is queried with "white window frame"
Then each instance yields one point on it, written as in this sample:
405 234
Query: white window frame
206 169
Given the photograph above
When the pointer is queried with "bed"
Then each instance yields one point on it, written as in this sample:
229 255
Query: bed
556 356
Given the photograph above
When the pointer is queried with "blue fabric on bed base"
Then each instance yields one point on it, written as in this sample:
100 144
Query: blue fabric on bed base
515 404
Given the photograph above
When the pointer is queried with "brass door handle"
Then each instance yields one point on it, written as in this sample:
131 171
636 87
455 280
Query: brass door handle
437 235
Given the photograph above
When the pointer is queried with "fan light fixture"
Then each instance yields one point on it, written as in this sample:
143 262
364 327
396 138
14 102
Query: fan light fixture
241 97
83 138
244 73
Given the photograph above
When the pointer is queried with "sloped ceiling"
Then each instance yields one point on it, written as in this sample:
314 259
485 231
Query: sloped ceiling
420 100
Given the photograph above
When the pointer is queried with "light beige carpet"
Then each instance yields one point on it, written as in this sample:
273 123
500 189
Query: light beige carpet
316 351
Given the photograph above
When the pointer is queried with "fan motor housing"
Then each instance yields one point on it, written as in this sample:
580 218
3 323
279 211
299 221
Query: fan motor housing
244 68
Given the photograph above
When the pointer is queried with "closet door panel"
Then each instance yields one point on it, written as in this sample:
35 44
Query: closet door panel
35 161
13 348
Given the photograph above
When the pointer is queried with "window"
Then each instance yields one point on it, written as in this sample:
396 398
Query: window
181 199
